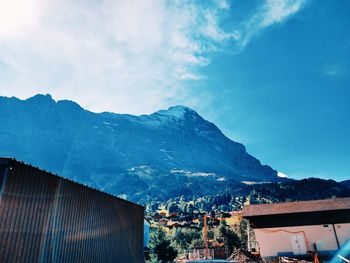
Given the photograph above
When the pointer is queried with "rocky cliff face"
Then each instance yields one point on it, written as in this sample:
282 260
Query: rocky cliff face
169 152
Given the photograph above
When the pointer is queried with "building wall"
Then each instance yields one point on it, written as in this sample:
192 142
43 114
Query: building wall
292 239
146 233
45 218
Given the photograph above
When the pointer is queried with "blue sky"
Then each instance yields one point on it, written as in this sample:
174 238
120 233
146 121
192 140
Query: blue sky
271 74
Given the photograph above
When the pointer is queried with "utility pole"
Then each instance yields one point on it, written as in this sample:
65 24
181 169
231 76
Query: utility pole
336 236
205 236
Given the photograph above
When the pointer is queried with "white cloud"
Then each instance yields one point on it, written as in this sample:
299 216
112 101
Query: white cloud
276 10
124 56
331 70
334 70
270 13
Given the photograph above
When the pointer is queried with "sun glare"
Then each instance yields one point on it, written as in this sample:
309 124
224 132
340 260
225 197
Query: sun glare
17 15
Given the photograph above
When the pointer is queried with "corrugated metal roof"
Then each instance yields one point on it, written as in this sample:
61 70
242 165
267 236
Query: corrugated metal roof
297 207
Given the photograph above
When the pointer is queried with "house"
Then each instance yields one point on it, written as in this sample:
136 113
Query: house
46 218
298 229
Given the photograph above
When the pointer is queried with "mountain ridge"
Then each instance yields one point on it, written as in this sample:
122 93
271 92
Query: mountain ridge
167 152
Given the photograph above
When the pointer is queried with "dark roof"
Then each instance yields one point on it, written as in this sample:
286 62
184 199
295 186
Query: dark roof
330 211
297 207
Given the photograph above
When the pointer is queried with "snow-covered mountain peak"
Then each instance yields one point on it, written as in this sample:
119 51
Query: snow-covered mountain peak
177 111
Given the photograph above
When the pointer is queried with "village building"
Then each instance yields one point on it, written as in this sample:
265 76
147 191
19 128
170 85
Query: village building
300 229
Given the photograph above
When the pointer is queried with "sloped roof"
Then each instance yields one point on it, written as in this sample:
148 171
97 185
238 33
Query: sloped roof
330 211
297 207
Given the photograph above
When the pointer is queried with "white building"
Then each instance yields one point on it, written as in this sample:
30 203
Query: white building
298 229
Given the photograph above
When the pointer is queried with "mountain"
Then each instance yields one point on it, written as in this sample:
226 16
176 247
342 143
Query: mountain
346 183
170 152
297 190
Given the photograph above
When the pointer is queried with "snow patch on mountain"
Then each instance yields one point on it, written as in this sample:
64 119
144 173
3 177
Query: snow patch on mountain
191 174
221 179
282 175
178 111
